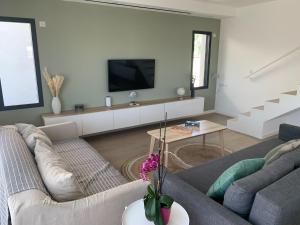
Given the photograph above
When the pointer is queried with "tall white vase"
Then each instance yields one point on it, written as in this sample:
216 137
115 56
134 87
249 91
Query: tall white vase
56 105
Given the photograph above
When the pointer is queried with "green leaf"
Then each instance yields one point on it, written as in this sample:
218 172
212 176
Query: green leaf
158 217
166 201
150 209
151 190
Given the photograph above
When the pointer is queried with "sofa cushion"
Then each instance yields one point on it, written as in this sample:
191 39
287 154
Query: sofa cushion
58 178
203 176
293 156
237 171
93 172
279 203
31 133
240 195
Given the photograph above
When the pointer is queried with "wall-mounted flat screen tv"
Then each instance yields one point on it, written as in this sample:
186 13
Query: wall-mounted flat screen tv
125 75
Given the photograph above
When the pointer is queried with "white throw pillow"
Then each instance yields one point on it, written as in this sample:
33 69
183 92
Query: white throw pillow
31 133
58 178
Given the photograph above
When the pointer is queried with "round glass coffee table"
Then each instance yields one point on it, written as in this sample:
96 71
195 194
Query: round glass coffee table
134 214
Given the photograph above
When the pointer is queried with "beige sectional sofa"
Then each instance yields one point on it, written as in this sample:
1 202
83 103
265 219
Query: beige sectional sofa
107 191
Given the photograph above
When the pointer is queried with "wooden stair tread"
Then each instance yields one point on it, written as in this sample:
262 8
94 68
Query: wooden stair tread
271 113
290 93
247 114
260 107
277 100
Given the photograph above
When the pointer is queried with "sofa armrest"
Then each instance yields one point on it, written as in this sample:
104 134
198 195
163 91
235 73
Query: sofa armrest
106 208
201 209
289 132
61 131
279 202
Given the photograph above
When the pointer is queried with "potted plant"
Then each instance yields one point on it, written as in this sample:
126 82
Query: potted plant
157 205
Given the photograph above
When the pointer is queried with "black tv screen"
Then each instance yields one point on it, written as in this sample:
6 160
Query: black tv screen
125 75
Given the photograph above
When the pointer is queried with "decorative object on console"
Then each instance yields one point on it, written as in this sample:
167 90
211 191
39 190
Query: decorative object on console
54 83
192 88
56 105
180 92
132 96
157 206
108 102
79 107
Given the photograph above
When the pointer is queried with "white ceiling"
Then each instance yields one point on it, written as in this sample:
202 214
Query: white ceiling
187 7
203 8
235 3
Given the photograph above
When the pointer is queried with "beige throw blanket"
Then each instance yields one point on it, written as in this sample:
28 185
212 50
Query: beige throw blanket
281 150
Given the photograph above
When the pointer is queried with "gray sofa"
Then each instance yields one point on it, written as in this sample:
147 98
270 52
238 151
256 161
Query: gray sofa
268 197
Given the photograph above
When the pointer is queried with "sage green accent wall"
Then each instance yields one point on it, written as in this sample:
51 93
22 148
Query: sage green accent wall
79 38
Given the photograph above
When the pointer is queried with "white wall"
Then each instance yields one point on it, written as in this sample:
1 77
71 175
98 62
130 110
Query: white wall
258 35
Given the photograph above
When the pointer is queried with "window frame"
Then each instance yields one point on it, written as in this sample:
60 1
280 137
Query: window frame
36 62
207 58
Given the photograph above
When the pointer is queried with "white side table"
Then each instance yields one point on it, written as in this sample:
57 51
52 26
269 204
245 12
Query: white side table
134 214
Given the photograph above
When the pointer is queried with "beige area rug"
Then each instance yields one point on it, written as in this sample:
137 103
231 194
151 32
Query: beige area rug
184 157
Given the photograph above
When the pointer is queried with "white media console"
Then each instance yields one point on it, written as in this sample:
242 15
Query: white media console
103 119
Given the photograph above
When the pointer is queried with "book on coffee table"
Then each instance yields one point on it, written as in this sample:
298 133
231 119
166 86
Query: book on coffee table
184 129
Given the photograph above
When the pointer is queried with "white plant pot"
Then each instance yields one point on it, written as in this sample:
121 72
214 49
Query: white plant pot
56 105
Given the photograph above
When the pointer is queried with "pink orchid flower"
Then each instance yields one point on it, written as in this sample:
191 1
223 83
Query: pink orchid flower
149 165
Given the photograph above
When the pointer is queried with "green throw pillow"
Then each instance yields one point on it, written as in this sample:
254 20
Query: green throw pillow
237 171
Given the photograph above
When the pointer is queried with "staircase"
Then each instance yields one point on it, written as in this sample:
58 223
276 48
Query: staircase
263 121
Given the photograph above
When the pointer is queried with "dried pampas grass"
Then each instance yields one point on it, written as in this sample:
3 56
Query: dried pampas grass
54 82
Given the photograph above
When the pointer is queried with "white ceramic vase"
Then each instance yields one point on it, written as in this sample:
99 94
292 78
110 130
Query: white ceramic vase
56 105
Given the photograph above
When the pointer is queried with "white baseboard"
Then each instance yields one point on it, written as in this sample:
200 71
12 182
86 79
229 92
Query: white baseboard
208 112
226 114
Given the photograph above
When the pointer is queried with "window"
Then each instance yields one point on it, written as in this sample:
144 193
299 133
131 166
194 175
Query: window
20 78
201 58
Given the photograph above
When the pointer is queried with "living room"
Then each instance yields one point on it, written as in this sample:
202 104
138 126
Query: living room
151 112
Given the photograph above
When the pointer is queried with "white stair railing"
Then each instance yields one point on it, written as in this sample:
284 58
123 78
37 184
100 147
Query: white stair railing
253 74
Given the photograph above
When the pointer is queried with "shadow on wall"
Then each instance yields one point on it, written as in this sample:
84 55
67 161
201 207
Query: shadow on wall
277 67
271 127
241 94
221 99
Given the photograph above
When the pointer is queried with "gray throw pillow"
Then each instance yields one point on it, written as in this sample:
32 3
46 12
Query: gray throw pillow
31 134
